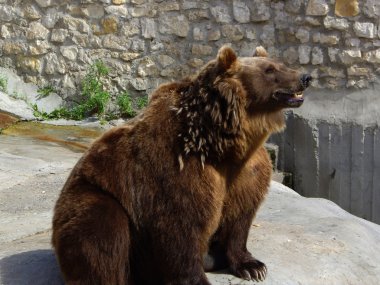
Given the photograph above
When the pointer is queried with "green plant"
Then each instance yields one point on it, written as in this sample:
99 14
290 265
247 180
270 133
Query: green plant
142 102
125 103
3 84
45 91
93 90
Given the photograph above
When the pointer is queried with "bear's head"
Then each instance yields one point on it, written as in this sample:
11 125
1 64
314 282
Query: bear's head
268 83
232 98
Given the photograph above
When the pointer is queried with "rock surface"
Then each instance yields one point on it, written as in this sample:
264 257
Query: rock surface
301 240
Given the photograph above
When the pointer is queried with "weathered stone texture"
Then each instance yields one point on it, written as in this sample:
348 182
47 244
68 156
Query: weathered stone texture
149 29
364 30
51 40
260 10
221 14
304 54
233 32
37 31
350 56
317 8
241 11
336 23
177 25
346 8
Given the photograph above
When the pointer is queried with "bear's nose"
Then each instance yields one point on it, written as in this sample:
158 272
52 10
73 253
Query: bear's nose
305 80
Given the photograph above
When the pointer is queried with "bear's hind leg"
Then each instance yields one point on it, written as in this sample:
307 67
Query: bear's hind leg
91 239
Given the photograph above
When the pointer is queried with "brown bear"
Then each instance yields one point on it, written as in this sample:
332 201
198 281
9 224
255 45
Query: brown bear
173 193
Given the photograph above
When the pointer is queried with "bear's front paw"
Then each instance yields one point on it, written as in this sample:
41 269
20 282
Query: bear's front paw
250 270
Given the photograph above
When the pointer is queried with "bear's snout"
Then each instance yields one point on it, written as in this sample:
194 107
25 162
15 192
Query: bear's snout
305 80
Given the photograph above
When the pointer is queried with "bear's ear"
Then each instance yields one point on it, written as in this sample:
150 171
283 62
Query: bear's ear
226 57
260 51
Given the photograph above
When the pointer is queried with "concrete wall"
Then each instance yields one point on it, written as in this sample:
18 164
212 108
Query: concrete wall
147 42
332 147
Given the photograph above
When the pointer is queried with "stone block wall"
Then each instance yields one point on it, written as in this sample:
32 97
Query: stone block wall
147 42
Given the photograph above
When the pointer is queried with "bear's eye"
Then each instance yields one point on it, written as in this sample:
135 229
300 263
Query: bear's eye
270 70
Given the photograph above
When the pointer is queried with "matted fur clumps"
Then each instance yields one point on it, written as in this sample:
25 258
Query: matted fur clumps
172 193
210 108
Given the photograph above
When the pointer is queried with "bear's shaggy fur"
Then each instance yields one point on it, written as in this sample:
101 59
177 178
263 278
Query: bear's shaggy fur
174 192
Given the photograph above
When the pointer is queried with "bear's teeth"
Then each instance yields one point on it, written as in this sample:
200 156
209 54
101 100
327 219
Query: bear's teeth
298 95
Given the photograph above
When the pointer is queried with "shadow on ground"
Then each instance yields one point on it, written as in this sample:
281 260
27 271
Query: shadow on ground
38 267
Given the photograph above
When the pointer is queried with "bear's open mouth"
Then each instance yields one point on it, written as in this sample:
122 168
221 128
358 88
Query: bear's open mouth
289 98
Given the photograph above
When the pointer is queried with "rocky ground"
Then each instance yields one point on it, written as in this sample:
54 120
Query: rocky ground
302 240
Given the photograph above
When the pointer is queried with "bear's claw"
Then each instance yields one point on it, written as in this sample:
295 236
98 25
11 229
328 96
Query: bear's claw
252 270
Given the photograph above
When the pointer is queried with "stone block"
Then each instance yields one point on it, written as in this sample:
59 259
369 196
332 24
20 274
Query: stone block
148 28
59 35
330 39
119 2
143 11
139 84
358 71
233 32
128 56
293 6
373 56
290 55
196 15
333 52
12 47
336 23
241 11
364 30
53 64
46 3
40 47
250 33
29 64
73 24
372 8
131 28
7 13
317 8
304 54
352 42
201 50
147 67
93 11
313 21
31 12
221 14
303 35
350 56
260 10
214 35
346 8
168 6
199 34
316 56
165 60
138 2
195 62
109 25
36 31
69 52
174 24
268 35
118 11
113 42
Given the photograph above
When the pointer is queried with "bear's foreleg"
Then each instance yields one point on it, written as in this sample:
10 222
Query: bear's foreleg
228 246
